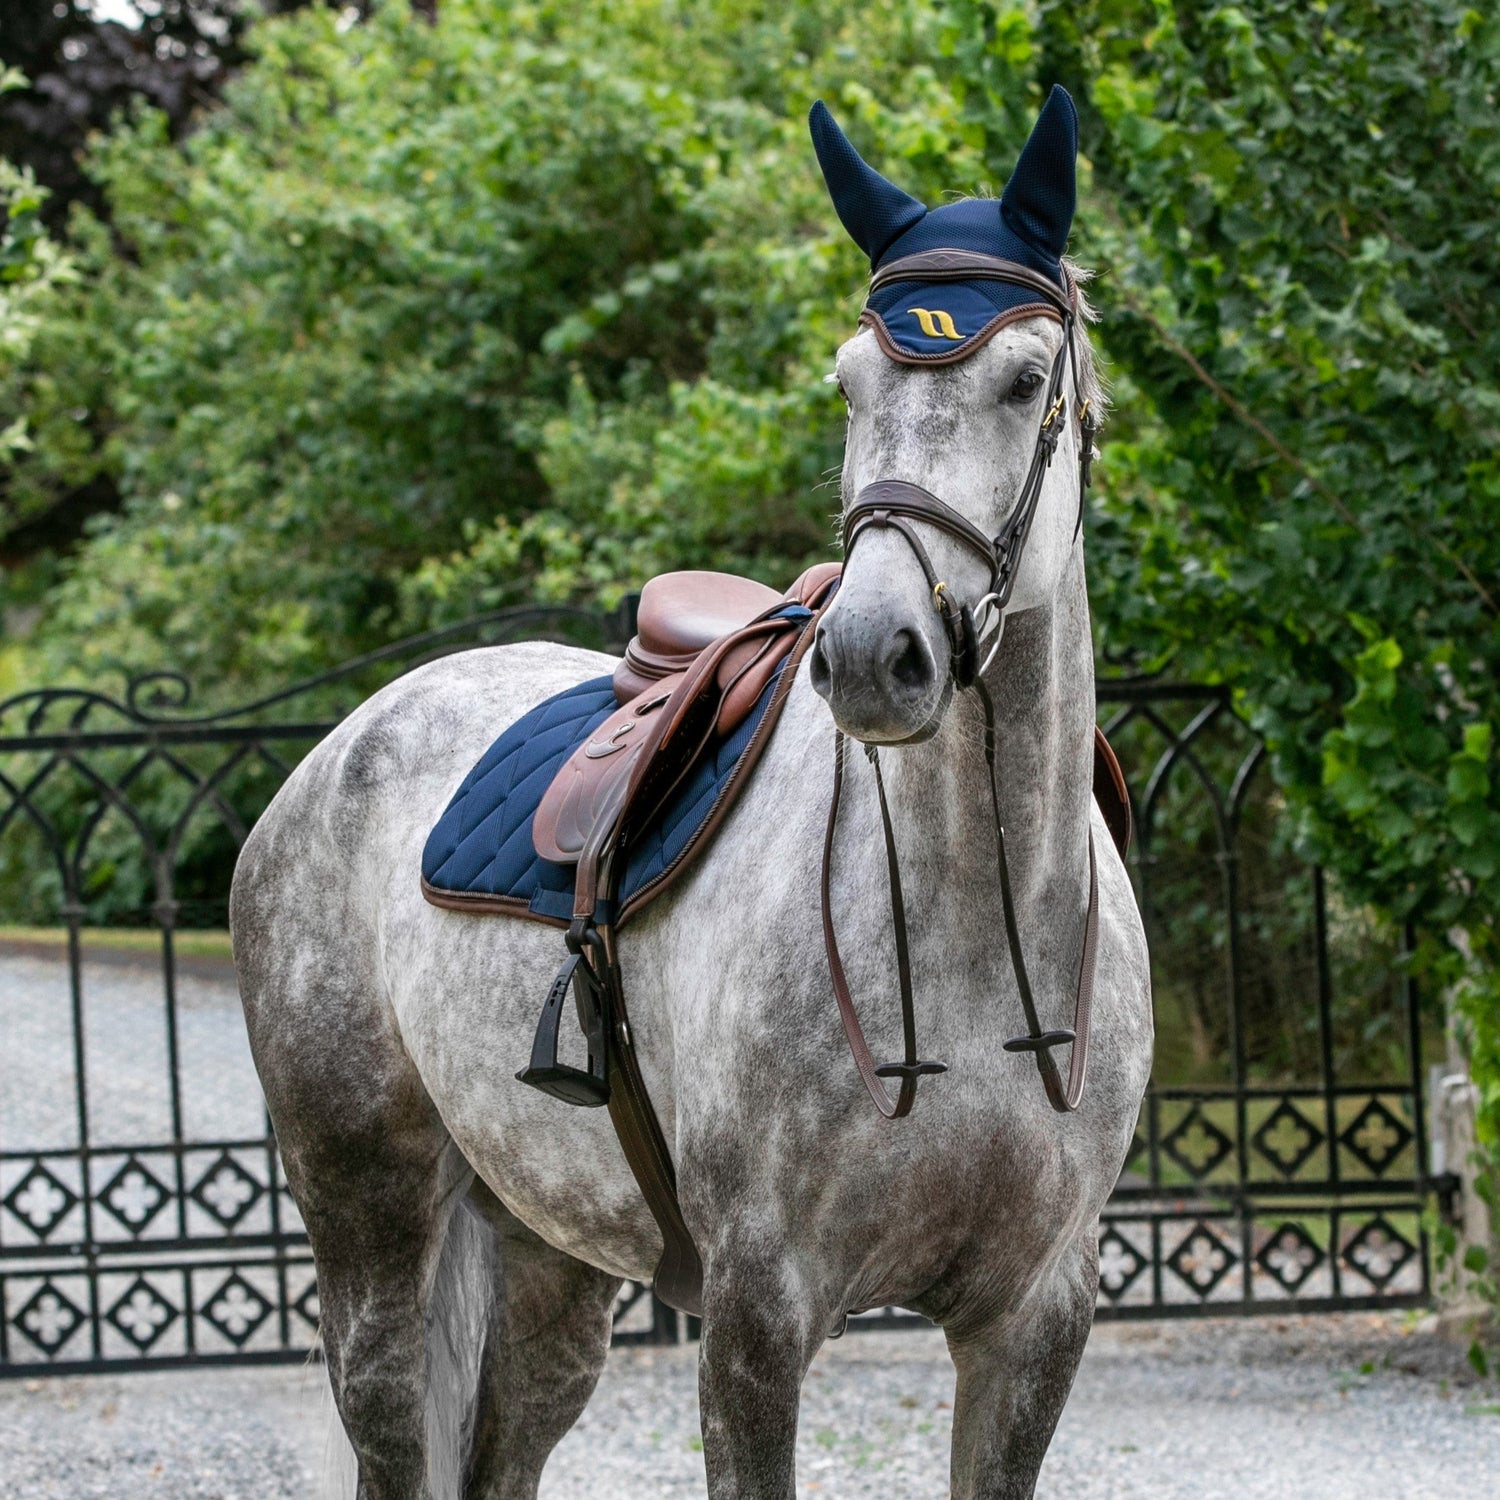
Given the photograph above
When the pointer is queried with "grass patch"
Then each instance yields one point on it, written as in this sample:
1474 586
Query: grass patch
213 943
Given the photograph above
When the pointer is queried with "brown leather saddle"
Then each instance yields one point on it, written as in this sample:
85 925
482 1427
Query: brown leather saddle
708 646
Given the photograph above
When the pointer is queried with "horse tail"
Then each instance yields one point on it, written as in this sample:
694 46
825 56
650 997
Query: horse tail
461 1313
460 1318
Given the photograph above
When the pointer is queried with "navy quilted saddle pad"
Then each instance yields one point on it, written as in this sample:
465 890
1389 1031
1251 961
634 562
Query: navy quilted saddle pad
479 855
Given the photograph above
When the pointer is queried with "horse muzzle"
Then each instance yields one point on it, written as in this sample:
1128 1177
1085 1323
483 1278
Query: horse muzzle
883 671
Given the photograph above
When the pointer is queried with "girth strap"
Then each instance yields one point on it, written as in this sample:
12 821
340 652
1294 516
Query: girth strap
679 1273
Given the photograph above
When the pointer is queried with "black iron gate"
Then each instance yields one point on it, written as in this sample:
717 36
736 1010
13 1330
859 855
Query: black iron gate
1280 1160
144 1221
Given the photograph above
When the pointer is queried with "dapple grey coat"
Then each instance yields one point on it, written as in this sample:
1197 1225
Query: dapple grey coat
471 1233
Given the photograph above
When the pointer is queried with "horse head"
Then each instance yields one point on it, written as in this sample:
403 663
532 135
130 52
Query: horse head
969 375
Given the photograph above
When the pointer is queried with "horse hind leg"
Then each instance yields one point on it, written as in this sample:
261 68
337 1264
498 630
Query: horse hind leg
546 1344
376 1177
384 1250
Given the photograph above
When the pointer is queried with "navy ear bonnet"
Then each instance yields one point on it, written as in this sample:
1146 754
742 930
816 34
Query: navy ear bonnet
935 318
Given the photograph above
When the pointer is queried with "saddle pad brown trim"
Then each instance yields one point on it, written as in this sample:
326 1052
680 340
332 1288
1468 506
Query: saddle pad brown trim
509 906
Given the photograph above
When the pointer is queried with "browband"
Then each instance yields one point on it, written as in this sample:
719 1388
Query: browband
970 265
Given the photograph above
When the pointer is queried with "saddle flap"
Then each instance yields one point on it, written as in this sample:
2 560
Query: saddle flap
749 666
1111 793
633 760
594 780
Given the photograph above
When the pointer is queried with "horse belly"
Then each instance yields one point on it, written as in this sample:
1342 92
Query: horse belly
467 999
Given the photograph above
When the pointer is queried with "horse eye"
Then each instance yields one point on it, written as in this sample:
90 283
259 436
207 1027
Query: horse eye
843 394
1026 385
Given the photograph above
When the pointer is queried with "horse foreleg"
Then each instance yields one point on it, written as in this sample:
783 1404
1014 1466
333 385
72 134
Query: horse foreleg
760 1332
542 1356
1014 1375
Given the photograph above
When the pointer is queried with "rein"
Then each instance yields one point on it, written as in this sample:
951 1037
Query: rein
900 506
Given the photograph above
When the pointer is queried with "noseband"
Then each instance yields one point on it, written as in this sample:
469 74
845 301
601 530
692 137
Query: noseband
901 506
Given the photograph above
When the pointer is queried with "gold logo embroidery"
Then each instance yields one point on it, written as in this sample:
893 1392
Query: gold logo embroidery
936 324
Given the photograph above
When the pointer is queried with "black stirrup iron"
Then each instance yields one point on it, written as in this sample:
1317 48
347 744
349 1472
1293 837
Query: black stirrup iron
590 1087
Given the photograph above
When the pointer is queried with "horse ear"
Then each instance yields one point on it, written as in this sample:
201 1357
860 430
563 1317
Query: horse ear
874 211
1042 193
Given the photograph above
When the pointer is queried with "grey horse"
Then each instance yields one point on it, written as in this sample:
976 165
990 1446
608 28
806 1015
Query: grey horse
471 1234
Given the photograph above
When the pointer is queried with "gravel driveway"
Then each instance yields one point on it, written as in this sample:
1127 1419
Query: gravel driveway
125 1053
1345 1407
1362 1406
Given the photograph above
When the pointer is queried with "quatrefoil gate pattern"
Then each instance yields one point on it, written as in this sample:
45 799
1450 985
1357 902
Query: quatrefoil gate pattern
1287 1139
1197 1144
1376 1138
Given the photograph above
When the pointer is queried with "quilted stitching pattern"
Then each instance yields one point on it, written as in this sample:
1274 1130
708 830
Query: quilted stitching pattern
482 843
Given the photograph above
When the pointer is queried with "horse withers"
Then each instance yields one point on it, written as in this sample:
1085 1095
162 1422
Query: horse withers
471 1234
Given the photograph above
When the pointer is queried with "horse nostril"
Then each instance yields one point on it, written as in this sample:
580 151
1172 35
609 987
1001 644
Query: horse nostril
909 664
818 668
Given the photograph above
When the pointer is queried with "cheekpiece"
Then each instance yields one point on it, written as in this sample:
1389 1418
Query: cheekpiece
946 280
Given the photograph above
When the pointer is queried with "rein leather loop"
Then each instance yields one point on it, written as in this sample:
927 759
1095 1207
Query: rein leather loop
909 1069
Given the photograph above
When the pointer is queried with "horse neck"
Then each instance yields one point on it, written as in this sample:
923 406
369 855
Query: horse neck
1042 686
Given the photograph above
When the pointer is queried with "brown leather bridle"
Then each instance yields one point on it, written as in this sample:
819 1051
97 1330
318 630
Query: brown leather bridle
900 506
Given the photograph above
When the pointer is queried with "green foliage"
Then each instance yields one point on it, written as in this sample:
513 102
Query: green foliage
1292 214
31 266
539 300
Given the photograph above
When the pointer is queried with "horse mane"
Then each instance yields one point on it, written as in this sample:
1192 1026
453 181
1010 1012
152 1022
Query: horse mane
1092 381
